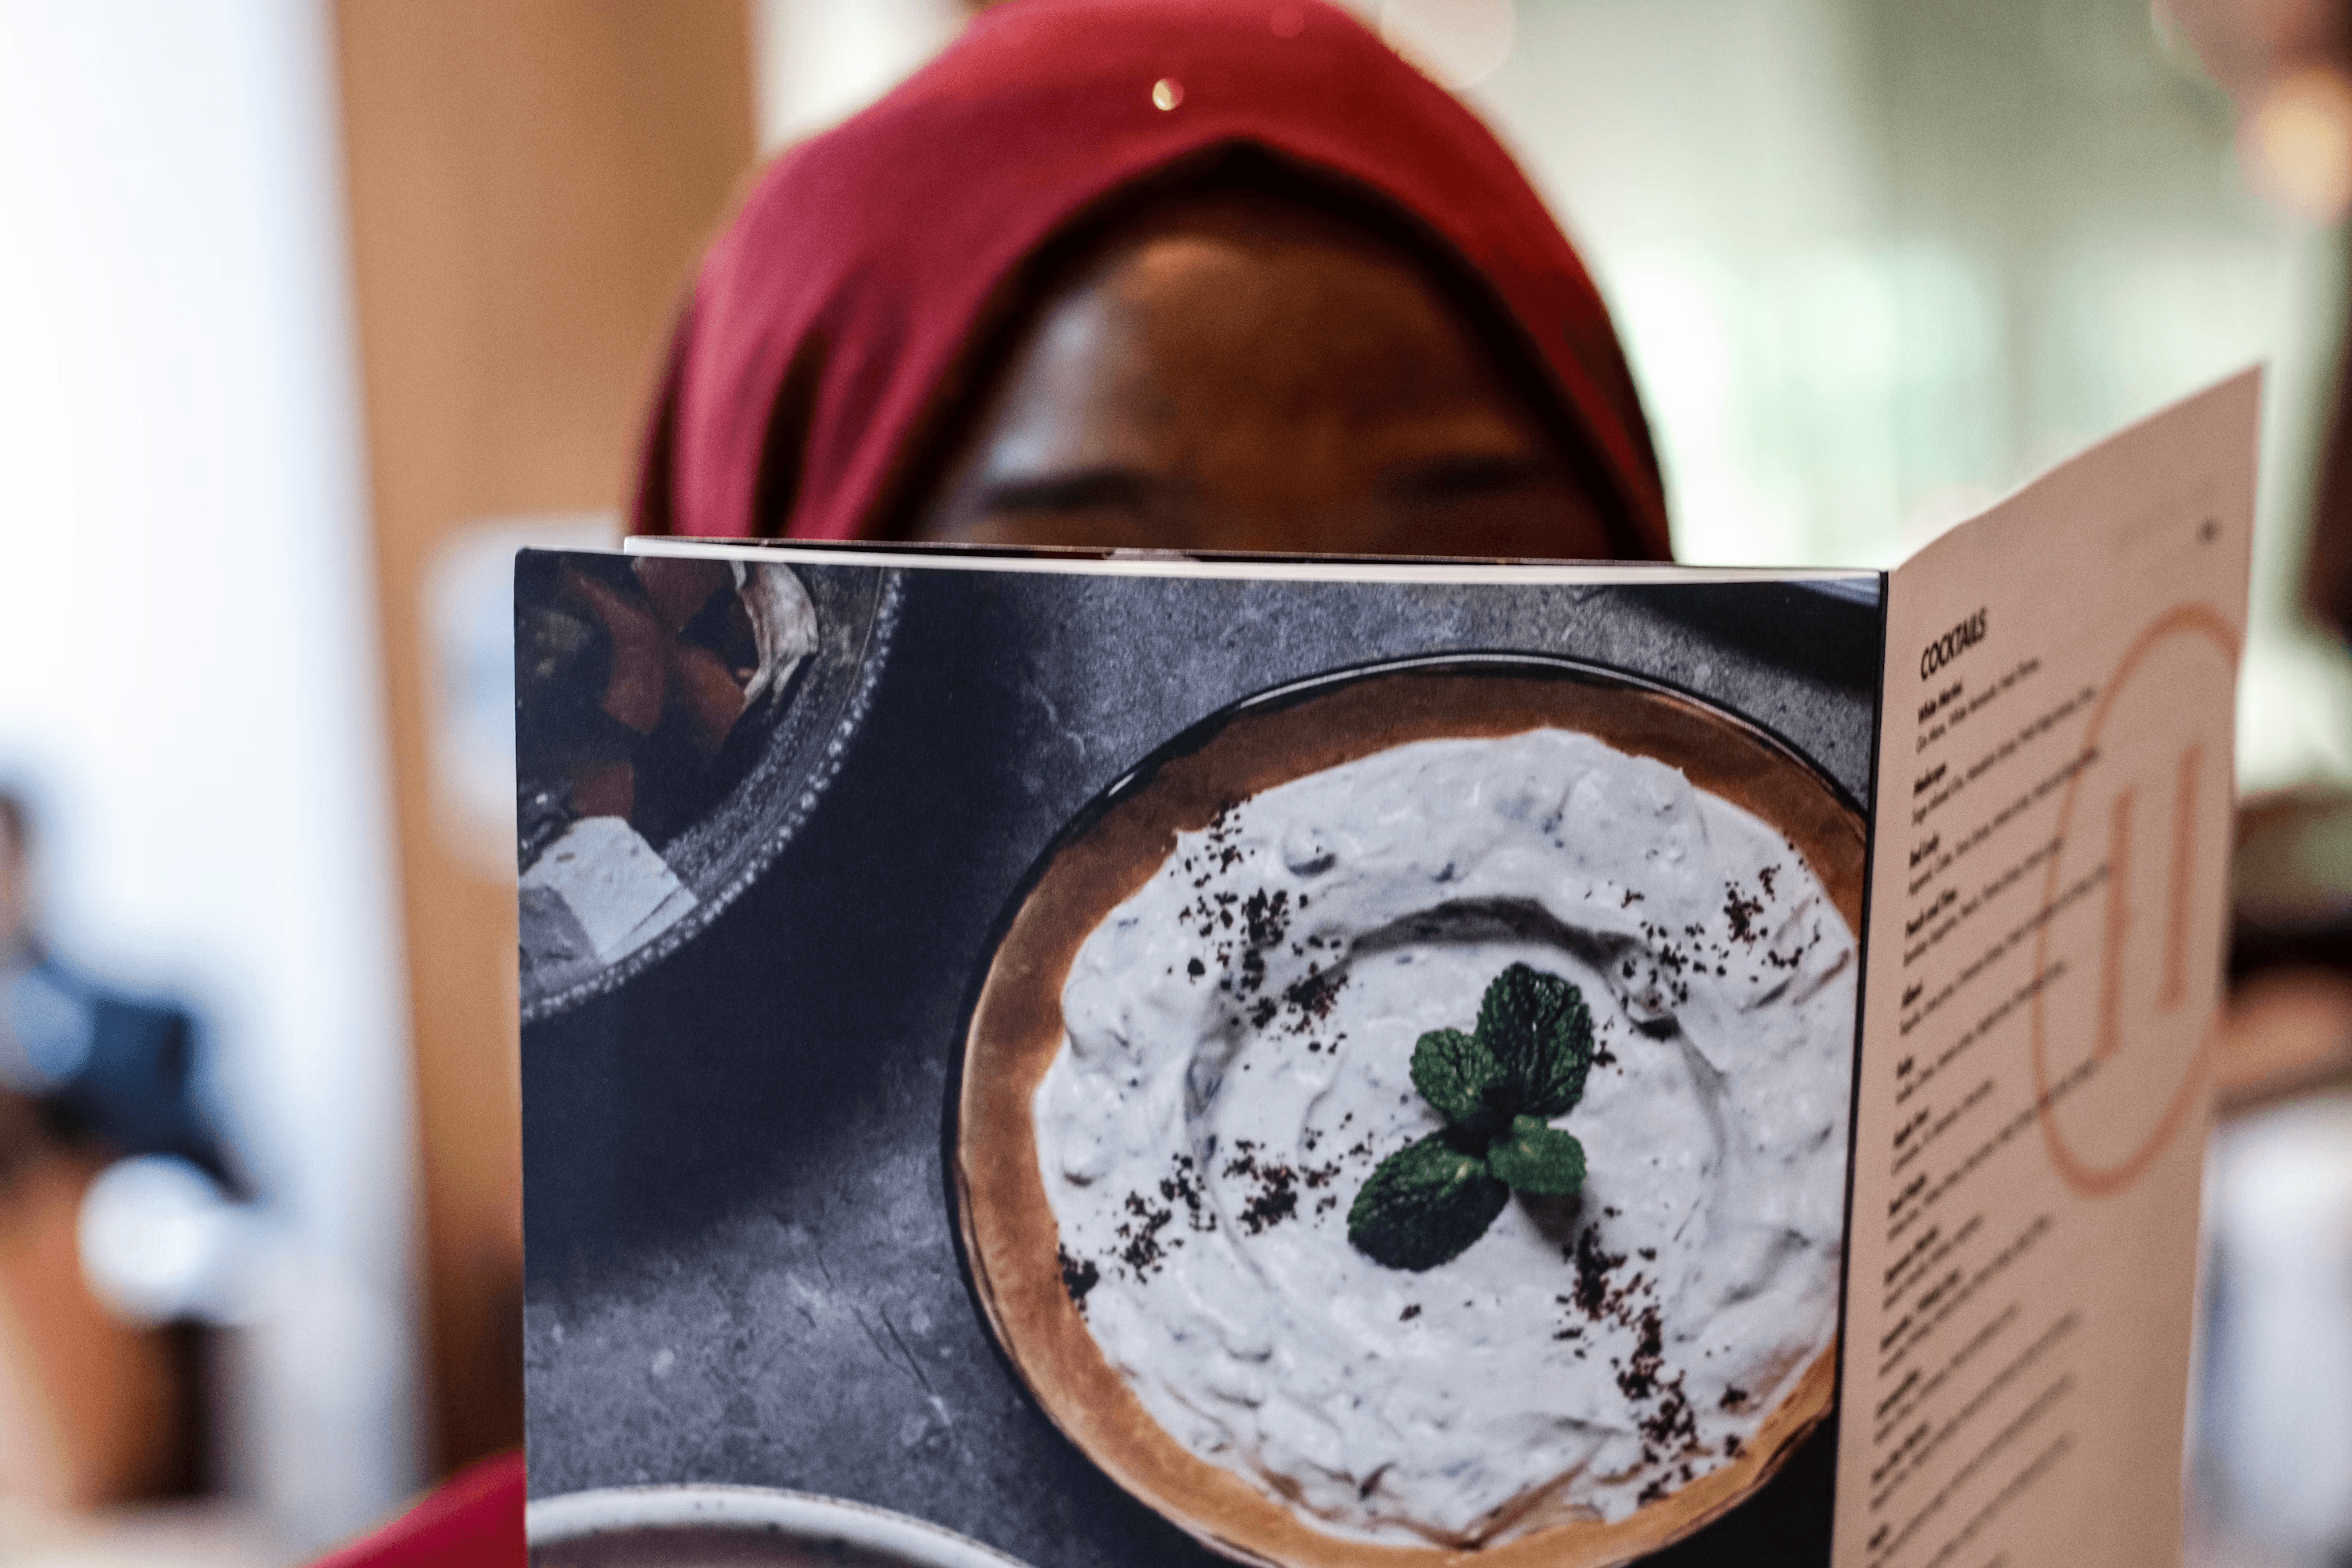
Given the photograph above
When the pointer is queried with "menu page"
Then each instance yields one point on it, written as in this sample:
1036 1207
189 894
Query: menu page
2047 917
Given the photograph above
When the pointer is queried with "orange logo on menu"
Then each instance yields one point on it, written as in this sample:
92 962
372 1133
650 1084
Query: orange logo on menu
2115 1101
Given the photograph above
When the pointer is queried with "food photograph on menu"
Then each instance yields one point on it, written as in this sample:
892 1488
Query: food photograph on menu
1384 1095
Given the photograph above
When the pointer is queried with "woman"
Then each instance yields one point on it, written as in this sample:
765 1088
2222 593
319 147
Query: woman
1192 273
1196 274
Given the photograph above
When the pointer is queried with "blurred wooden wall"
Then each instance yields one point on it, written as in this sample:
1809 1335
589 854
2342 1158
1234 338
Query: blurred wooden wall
530 182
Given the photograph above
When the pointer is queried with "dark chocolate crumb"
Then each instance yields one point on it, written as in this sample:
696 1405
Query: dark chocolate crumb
1276 1198
1640 1380
1079 1276
1143 1254
1594 1267
1741 911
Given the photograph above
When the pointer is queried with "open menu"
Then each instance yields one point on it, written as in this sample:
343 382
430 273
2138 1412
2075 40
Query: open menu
1080 1059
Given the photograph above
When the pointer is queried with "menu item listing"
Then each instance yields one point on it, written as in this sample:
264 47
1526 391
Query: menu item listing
2048 908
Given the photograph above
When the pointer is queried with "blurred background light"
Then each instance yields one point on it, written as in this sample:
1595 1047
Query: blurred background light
818 61
2297 143
1877 261
161 1242
1460 43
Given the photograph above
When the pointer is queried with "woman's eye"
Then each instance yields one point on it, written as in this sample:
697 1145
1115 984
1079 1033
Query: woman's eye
1091 490
1468 476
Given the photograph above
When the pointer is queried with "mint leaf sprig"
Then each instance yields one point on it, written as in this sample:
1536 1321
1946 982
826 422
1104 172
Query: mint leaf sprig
1496 1088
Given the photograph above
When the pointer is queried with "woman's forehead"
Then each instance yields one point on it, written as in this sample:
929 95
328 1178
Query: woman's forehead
1274 308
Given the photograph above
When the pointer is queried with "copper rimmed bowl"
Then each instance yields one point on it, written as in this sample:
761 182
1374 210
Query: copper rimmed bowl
1014 1031
737 1527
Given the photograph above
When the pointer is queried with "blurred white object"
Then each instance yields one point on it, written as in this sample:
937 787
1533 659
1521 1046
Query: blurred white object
213 1532
161 1243
819 60
2277 1413
1458 43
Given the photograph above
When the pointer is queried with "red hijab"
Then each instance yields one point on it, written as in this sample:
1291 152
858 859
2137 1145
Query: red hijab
828 320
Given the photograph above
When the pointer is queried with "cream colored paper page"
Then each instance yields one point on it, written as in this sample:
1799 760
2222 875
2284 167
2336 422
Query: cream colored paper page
2048 902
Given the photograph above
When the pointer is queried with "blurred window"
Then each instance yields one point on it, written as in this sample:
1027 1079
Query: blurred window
1877 261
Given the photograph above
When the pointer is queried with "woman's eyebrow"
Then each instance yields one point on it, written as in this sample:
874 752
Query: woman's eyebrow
1081 489
1467 474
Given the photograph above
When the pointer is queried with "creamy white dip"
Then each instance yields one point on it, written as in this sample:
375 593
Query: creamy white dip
1239 1035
